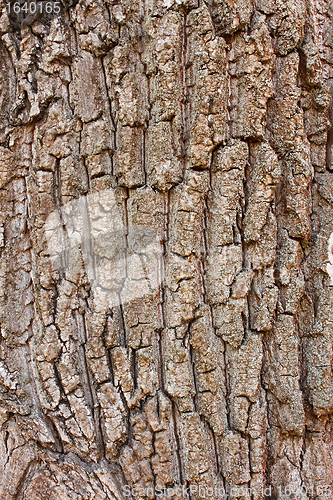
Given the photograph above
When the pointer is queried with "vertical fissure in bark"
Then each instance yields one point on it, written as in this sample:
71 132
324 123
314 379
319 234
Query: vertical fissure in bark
87 383
185 97
178 450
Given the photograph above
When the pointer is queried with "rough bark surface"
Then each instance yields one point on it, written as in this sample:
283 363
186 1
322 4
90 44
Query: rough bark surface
166 207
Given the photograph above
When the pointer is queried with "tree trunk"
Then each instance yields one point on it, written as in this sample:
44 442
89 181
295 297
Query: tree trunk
166 211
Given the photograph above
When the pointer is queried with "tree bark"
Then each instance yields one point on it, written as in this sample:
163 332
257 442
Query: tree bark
166 174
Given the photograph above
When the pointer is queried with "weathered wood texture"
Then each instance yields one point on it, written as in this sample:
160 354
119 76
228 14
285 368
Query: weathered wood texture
166 173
